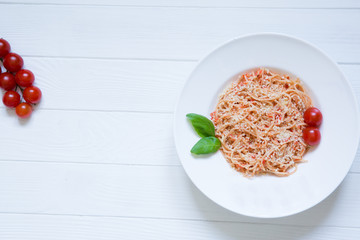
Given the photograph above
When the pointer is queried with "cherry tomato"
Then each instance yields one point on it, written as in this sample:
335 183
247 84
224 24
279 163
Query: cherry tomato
32 94
313 117
311 136
24 78
11 99
4 48
13 62
23 110
7 81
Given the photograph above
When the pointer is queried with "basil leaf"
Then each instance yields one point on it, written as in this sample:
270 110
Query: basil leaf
203 126
206 145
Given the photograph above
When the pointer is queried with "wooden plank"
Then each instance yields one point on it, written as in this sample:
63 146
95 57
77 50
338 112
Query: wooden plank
120 85
90 84
40 227
93 137
81 136
138 191
206 3
168 33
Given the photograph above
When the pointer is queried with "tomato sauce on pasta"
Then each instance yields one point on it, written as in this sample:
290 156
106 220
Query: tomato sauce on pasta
259 121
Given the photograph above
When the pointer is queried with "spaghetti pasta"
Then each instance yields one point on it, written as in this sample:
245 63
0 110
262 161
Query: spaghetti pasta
259 121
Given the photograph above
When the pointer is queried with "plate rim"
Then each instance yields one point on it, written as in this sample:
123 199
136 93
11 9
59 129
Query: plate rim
276 34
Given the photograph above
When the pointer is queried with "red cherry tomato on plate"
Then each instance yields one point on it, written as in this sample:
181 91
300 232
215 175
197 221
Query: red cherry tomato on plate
311 136
11 99
313 117
4 48
32 94
24 78
13 62
7 81
23 110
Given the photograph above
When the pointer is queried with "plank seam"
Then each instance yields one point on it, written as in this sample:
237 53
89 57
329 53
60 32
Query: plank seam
141 59
92 163
108 163
177 6
100 110
113 58
170 219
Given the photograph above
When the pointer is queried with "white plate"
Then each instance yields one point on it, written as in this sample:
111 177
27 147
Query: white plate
271 196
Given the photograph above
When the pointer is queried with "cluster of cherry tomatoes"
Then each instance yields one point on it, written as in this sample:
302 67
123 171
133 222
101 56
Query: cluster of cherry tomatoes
17 79
313 118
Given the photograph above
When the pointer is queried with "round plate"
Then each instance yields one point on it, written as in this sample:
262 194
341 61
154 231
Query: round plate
270 196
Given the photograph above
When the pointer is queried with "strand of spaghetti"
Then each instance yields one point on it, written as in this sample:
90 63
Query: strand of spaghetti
259 121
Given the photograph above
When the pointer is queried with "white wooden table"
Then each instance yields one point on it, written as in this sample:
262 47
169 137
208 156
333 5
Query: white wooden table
97 159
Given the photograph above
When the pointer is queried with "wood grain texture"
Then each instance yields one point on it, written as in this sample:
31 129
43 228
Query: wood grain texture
143 192
97 159
204 3
114 85
93 137
120 85
81 136
39 227
168 33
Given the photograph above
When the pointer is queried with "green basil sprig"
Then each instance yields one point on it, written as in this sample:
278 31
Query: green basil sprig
206 145
203 126
206 130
